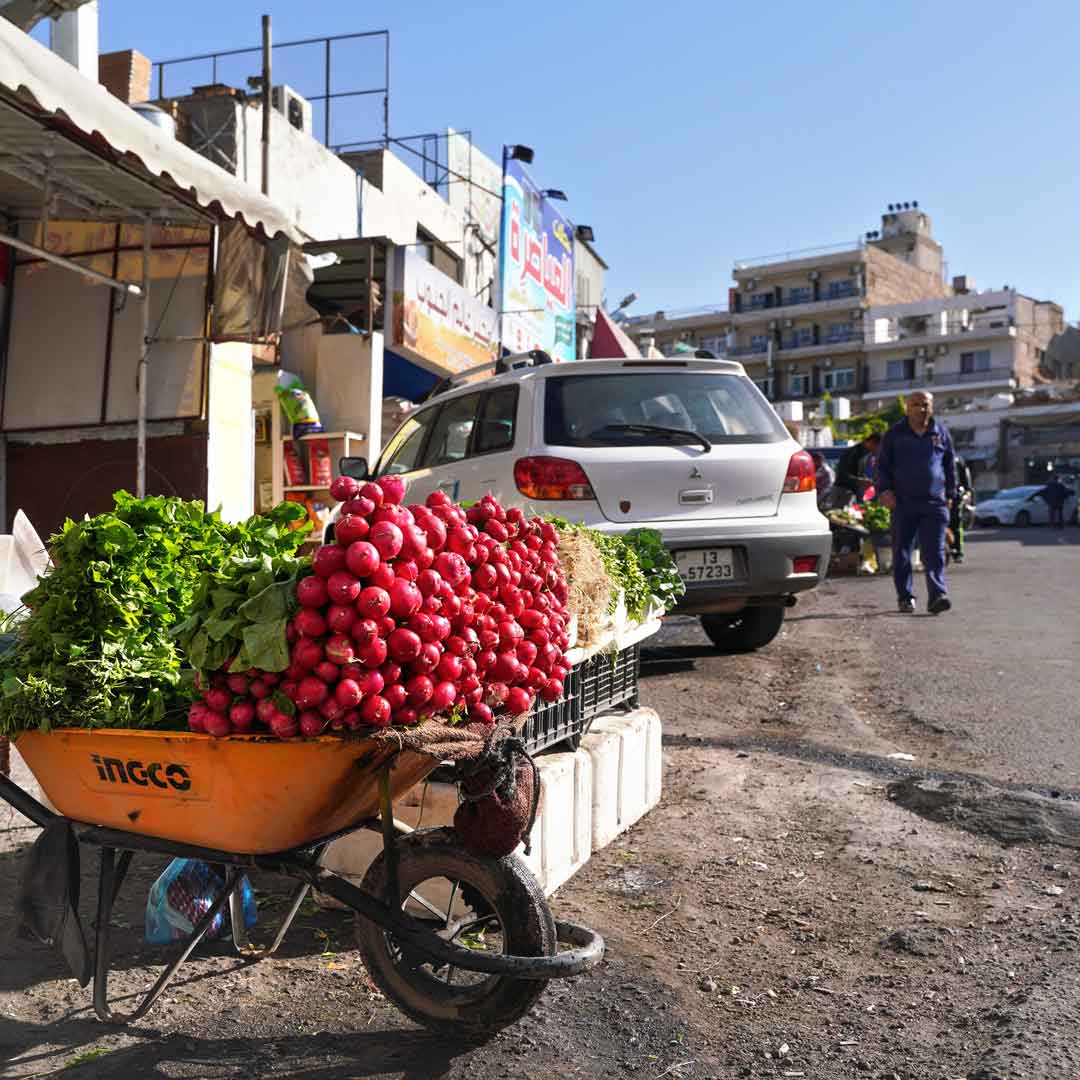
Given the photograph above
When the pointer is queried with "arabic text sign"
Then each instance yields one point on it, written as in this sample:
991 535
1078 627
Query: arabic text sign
439 321
536 271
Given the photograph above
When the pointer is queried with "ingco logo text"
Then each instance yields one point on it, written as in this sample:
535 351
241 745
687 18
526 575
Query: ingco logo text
156 774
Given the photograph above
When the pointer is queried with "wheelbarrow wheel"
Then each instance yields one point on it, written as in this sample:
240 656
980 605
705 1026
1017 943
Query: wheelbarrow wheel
494 905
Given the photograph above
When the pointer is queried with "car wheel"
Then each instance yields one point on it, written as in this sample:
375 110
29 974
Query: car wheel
752 628
1023 519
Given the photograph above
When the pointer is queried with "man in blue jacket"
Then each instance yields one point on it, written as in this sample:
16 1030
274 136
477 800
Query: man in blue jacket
916 480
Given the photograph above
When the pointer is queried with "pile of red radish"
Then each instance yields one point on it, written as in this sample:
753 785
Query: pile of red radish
413 612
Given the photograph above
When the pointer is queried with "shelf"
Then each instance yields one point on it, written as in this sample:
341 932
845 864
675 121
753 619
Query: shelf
349 435
305 487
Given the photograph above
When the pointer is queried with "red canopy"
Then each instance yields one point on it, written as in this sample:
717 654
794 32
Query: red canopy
610 341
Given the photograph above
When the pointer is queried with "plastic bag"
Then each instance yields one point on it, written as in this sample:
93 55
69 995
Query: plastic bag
299 408
294 467
183 894
320 467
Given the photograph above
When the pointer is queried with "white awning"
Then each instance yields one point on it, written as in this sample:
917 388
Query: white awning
98 158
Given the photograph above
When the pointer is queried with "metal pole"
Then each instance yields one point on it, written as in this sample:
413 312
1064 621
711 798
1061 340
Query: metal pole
144 366
326 103
69 264
266 72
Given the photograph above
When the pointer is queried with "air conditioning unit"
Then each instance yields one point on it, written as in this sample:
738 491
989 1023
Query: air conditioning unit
772 324
942 350
921 351
752 284
296 109
815 274
789 323
856 314
855 269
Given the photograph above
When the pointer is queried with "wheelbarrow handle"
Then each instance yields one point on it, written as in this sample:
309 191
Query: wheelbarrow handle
25 803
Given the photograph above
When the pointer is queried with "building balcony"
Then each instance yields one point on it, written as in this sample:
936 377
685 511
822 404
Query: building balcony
802 308
944 380
936 336
826 346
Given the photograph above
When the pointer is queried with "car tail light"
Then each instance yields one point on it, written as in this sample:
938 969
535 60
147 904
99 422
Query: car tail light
800 473
805 564
551 478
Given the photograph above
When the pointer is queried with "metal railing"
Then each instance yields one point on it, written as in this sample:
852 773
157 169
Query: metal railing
943 378
326 97
957 330
802 253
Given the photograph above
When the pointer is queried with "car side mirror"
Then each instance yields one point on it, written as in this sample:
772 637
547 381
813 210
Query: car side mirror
355 467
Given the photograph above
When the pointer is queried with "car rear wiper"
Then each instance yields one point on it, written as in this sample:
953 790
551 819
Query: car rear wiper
658 429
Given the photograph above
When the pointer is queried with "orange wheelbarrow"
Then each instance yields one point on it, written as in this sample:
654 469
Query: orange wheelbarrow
462 944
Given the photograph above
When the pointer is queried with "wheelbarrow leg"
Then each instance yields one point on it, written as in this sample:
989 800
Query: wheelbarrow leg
108 887
239 926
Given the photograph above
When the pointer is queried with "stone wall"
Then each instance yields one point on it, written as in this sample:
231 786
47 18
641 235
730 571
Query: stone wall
889 280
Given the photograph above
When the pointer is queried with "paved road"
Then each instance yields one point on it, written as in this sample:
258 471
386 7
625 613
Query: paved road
992 687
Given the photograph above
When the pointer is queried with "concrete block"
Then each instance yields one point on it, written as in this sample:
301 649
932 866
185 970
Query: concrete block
627 758
603 748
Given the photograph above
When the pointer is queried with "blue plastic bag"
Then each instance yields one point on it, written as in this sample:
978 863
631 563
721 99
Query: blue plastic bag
183 894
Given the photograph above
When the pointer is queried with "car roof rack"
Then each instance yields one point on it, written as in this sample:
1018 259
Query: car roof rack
505 364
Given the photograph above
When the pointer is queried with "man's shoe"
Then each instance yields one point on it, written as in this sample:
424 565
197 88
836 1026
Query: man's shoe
906 606
958 558
939 605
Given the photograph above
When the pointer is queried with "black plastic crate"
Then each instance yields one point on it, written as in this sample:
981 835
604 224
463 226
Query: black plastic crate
557 722
609 680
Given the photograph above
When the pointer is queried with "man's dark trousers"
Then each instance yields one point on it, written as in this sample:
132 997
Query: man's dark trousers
926 519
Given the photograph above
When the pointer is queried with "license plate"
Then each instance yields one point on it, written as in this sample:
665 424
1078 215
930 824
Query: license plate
706 564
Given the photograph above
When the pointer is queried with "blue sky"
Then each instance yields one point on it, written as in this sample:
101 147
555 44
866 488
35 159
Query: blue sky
690 134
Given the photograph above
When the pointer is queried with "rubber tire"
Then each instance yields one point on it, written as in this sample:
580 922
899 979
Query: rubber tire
1022 520
750 629
471 1014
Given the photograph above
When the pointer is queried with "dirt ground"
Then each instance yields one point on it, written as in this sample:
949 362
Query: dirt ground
780 914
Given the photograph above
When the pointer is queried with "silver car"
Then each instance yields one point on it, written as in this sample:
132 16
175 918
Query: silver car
689 447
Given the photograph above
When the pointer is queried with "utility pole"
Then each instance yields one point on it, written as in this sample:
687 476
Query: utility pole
266 73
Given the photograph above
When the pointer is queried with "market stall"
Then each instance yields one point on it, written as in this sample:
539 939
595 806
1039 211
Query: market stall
171 660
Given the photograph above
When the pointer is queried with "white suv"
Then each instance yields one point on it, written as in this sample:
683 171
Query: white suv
686 446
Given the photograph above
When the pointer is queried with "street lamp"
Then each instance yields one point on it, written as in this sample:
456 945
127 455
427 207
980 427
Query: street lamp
553 193
617 315
585 232
517 152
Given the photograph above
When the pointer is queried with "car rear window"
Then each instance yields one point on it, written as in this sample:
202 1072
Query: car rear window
579 410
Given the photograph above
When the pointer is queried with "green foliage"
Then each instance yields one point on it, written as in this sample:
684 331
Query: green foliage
242 611
637 563
877 518
859 427
96 649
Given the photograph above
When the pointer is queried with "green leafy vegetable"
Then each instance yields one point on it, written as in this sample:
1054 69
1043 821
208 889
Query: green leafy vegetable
97 648
638 564
877 518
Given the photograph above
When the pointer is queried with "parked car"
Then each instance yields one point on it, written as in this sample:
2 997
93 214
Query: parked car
1019 506
686 446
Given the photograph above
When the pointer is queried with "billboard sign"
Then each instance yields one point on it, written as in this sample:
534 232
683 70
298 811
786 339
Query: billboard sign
438 322
536 270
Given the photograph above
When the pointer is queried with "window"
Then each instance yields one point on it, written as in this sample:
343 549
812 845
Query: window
760 300
840 379
802 335
799 385
970 362
840 331
759 342
402 453
450 434
767 386
799 294
900 370
495 428
587 410
836 290
963 438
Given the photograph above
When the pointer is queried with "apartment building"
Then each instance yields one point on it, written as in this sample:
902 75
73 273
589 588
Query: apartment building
706 327
965 346
799 320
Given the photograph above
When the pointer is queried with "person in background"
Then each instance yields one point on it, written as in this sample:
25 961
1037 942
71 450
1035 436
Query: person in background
824 477
917 482
851 468
1054 495
956 512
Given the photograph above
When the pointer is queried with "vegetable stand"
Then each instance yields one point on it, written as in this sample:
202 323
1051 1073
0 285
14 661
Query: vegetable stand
461 943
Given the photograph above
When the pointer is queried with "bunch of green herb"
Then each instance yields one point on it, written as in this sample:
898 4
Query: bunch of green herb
638 564
241 611
877 518
96 648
